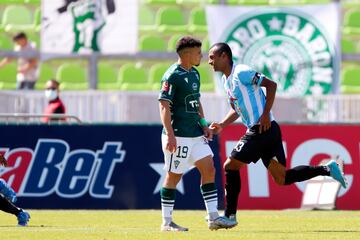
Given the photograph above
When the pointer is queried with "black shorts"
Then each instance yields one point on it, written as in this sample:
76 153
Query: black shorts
267 145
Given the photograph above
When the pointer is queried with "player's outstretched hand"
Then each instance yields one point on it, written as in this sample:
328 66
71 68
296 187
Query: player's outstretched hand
3 161
215 127
208 133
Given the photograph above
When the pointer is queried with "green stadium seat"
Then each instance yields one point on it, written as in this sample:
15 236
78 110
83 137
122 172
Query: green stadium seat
133 78
5 42
72 77
206 78
17 18
350 83
348 46
161 2
156 73
107 77
352 22
197 2
205 46
171 20
8 76
247 2
197 20
316 1
46 72
150 43
172 42
286 2
146 19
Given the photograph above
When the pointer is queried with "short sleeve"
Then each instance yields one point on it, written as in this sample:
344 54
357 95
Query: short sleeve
250 77
168 87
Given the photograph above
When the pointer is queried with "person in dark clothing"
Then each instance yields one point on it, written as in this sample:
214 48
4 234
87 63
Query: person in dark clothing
55 106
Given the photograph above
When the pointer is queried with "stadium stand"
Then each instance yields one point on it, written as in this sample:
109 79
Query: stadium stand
133 77
350 83
72 77
107 77
161 23
153 43
8 76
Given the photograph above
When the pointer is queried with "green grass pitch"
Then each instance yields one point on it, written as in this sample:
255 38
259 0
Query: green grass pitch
119 225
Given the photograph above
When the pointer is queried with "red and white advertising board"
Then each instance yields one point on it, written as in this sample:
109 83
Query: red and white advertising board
304 145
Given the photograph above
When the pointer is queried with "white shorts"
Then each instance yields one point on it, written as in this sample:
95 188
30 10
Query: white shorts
188 151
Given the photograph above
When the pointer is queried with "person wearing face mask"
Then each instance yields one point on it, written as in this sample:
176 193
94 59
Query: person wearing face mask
55 105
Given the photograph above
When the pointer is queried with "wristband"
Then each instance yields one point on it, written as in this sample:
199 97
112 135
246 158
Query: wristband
203 122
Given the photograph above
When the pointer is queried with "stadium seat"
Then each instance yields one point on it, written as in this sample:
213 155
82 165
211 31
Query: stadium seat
286 2
161 2
72 76
352 22
8 76
46 72
350 83
107 79
172 42
17 18
205 46
206 78
5 42
146 19
133 78
156 73
171 20
197 22
152 43
348 46
247 2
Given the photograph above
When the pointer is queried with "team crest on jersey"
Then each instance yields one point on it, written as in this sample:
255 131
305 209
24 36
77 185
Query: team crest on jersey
288 46
177 163
195 86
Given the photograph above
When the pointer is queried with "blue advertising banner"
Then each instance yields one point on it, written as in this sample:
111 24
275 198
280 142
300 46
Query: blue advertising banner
93 167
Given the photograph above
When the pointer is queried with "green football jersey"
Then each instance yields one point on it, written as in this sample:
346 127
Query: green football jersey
182 89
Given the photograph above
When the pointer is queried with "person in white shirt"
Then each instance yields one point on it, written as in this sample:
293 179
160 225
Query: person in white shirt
27 70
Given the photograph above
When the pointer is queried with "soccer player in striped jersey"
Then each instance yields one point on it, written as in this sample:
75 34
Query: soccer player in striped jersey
263 136
185 135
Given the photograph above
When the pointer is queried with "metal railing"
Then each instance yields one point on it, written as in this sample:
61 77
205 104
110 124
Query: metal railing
36 118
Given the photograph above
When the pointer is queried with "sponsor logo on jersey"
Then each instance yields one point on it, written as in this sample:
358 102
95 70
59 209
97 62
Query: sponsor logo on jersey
177 163
290 47
52 168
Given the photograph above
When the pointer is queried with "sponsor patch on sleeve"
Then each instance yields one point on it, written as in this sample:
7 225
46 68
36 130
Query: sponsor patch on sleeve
165 86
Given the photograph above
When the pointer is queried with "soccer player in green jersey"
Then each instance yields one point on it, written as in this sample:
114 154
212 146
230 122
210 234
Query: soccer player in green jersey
186 134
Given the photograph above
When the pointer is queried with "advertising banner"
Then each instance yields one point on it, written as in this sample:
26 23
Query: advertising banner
92 167
304 145
296 46
85 26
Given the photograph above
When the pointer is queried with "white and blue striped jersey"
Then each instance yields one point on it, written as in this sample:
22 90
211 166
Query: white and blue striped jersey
245 94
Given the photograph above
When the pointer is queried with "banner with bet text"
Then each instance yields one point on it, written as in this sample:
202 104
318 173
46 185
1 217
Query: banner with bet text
86 26
296 46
